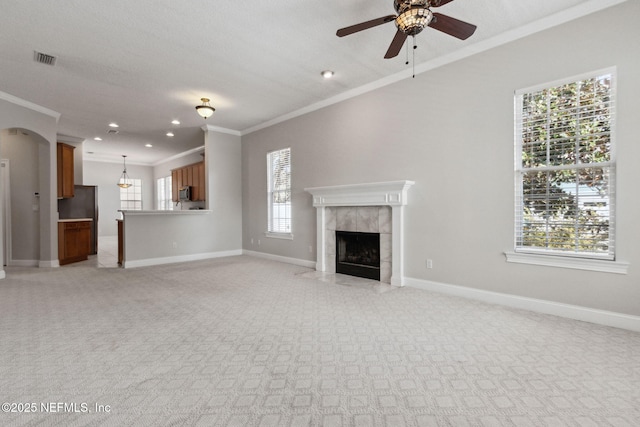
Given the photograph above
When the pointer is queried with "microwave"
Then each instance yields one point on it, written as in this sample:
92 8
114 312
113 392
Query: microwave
184 194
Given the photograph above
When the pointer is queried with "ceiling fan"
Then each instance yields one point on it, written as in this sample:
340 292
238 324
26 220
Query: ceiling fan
412 17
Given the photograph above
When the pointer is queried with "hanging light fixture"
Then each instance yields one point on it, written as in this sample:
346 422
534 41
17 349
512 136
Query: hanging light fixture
124 181
205 110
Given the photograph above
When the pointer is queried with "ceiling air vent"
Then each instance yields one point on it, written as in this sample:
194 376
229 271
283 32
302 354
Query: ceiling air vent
113 132
43 58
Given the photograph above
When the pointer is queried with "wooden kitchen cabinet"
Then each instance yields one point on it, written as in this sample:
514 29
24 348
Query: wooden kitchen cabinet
65 170
74 241
191 176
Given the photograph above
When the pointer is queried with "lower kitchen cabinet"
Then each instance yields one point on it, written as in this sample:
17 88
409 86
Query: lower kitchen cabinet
74 241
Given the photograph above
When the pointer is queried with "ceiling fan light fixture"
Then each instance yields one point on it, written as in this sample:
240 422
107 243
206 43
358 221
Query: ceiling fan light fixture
205 110
412 21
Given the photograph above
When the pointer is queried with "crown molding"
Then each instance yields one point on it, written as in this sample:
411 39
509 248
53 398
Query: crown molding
30 105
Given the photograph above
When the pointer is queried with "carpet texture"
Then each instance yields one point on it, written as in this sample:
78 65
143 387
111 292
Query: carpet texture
243 341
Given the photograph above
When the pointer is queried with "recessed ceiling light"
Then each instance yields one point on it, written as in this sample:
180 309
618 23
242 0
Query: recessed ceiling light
113 125
170 134
175 122
148 145
327 74
97 138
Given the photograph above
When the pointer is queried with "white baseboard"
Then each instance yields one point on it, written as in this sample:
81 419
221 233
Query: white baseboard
24 263
294 261
601 317
52 263
180 258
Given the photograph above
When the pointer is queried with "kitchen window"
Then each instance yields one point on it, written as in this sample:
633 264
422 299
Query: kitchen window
131 197
163 193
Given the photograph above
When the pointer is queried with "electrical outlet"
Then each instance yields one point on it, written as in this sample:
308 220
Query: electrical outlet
175 245
258 242
310 249
429 263
252 241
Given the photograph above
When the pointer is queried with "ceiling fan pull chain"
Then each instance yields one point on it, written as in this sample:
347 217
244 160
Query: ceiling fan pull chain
407 52
414 56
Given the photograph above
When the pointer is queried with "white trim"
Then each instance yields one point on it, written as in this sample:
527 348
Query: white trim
69 139
585 314
583 9
179 155
278 258
566 80
283 236
391 193
30 105
578 263
180 258
221 130
5 164
54 263
24 263
3 275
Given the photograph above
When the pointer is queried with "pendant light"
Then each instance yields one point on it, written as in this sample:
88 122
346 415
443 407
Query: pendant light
124 181
205 110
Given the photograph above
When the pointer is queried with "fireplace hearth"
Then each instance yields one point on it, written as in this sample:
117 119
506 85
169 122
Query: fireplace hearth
358 254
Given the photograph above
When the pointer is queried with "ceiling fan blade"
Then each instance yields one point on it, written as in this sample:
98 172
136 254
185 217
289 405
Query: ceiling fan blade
438 3
396 45
452 26
364 25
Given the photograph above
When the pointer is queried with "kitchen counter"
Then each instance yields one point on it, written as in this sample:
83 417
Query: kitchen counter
75 220
158 212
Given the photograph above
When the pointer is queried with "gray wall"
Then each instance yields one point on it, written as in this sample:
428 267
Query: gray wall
22 151
16 113
451 130
106 176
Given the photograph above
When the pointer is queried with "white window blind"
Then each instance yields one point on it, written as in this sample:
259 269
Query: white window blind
163 193
565 168
279 191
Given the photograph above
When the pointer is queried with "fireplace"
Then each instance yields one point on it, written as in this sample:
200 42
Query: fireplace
355 207
358 254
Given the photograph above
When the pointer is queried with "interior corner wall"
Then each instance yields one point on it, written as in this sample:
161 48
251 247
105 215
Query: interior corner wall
105 176
22 151
13 115
223 173
451 131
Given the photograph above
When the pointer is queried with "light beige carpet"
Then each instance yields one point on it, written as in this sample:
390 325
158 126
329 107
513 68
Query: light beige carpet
248 342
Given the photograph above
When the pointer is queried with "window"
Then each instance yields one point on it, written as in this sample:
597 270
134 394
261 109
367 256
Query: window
163 193
131 197
565 168
279 193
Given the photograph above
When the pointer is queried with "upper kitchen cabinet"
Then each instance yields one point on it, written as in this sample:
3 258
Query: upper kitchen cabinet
65 170
189 176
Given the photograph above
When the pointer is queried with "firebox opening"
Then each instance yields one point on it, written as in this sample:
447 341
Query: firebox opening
358 254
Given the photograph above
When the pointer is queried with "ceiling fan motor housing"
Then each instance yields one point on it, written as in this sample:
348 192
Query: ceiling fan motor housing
402 5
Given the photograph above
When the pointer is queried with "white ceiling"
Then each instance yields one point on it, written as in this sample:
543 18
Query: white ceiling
144 63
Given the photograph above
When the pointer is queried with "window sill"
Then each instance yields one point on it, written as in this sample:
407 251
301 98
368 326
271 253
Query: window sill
284 236
604 266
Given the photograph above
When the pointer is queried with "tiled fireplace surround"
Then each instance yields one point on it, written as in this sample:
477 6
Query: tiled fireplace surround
374 208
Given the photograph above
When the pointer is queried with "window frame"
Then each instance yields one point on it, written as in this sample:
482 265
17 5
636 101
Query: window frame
548 256
136 182
165 203
271 231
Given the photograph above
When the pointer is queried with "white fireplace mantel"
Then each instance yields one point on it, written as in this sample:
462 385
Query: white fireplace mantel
390 193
